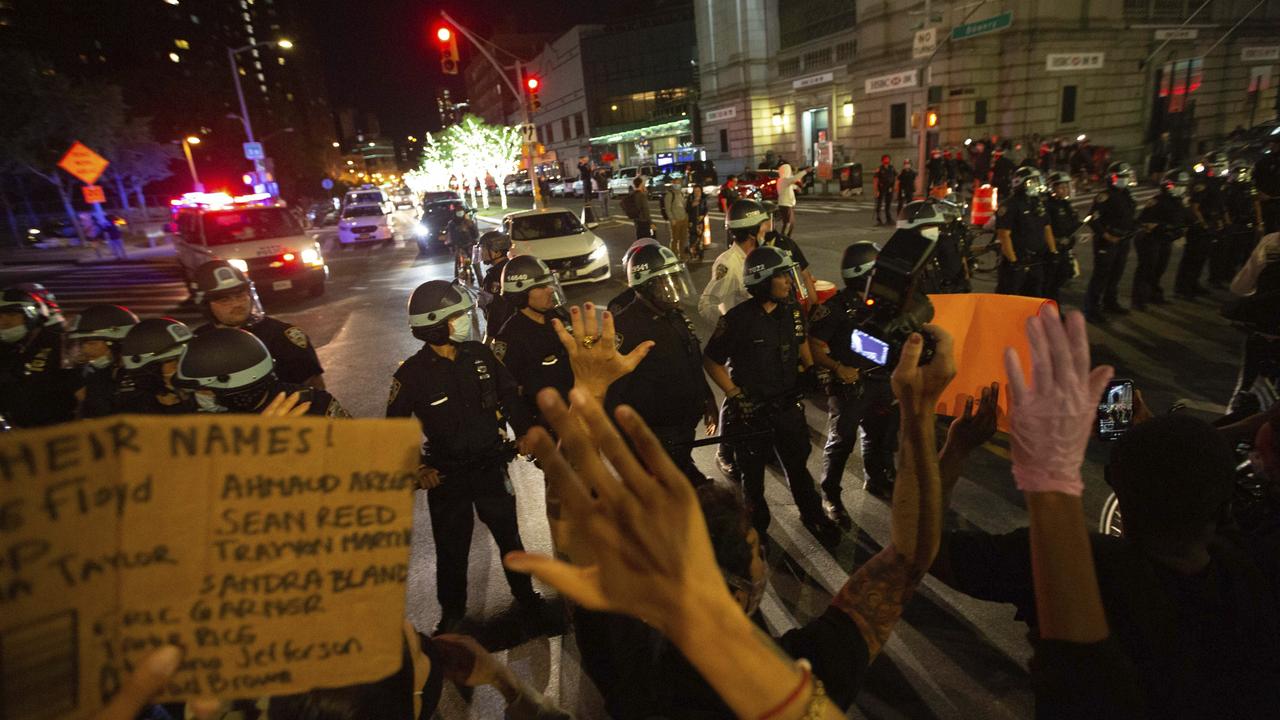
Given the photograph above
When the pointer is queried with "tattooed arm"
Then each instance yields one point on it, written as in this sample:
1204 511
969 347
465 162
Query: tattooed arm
875 594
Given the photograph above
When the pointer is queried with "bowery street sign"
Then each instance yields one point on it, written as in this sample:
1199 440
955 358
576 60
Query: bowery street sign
982 27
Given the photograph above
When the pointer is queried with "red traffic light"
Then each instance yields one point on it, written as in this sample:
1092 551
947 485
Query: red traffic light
444 34
532 83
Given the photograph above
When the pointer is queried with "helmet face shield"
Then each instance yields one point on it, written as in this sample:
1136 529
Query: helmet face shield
670 288
799 288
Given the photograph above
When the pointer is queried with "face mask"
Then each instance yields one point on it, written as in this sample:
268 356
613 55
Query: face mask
13 335
1177 191
100 363
207 403
1122 182
460 328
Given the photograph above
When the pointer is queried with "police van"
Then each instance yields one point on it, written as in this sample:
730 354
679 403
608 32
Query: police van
266 241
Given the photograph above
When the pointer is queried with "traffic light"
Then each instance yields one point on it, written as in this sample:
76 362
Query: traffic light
448 41
533 84
931 118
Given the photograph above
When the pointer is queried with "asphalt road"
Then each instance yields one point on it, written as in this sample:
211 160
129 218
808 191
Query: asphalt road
951 657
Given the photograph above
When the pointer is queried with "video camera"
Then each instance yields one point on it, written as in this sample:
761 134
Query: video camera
894 305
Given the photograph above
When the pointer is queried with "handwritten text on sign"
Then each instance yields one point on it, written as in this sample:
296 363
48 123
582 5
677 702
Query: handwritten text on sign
273 551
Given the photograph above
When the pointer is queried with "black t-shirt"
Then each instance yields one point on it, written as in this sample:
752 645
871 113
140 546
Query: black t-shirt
884 178
906 182
294 355
535 357
1204 645
1025 218
668 388
762 349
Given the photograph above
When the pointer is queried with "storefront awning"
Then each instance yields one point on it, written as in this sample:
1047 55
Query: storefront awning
675 127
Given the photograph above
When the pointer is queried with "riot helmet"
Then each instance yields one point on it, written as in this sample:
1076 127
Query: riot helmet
925 215
24 312
858 260
1175 182
1240 171
1028 180
523 274
236 298
1120 175
658 275
94 335
46 296
763 265
1216 164
229 369
494 242
150 351
440 312
745 218
1057 179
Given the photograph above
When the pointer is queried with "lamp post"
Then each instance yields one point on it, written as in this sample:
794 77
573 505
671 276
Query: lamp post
259 168
187 142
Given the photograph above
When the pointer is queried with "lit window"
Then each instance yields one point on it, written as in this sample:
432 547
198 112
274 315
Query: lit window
289 97
173 57
280 60
182 44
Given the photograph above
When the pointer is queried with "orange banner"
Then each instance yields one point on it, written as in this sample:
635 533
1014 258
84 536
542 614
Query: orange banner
983 325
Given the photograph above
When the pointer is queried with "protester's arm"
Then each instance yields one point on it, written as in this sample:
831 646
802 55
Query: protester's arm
147 681
468 664
1246 281
876 593
664 574
593 351
967 433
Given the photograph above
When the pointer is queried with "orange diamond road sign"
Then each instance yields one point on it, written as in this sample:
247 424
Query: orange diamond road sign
83 163
93 194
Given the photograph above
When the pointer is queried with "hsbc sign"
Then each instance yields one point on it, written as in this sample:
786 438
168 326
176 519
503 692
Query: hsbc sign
1073 61
893 81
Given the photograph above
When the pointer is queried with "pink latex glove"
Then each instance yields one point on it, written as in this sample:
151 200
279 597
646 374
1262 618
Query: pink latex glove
1051 421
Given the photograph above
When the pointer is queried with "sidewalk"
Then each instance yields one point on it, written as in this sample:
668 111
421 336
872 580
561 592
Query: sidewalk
14 256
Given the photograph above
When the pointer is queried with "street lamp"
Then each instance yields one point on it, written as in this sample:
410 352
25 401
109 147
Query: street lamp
258 167
187 142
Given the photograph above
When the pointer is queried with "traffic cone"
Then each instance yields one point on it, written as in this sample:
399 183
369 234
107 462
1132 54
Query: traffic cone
589 218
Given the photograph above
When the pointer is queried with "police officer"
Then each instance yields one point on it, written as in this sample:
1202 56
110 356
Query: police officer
940 220
231 370
628 295
1002 169
494 249
463 397
1209 214
905 184
1266 177
1064 221
749 223
149 355
1164 219
859 394
35 388
1244 216
93 340
668 388
1027 244
1114 223
755 356
884 179
229 300
936 169
527 343
46 296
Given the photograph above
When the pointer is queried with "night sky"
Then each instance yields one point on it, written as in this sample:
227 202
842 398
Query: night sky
380 57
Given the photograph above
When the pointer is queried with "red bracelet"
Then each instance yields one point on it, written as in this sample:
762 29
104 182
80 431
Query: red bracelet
804 682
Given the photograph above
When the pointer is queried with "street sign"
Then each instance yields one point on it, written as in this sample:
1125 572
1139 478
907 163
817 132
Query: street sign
925 42
530 132
93 194
1177 34
84 164
982 27
327 184
253 151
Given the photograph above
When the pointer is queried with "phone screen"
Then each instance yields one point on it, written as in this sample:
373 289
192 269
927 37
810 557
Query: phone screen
1115 410
869 347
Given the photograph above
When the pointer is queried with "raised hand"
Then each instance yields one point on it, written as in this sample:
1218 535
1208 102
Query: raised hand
917 386
286 405
593 350
145 682
973 428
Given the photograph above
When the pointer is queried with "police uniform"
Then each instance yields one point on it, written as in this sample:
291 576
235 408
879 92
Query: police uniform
462 405
1114 214
885 176
1207 196
668 388
1241 200
1025 218
323 404
727 287
906 186
132 400
867 403
497 308
536 358
98 390
938 172
1266 179
35 389
1164 219
762 351
1064 221
294 355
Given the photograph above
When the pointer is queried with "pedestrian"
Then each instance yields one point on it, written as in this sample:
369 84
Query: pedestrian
602 189
884 179
35 388
1209 210
1114 223
755 356
1161 152
93 350
962 177
1026 238
729 194
640 201
110 232
1064 221
858 395
696 208
1164 219
668 389
980 161
787 184
229 299
585 175
677 215
463 398
905 185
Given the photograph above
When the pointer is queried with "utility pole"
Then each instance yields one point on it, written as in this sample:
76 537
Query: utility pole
526 114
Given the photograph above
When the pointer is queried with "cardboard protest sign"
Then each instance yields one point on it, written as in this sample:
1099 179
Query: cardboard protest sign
273 551
983 325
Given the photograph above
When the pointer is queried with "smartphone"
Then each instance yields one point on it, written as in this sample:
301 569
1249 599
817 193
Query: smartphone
1115 410
869 347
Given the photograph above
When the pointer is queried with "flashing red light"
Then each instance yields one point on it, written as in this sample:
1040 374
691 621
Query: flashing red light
532 83
444 34
288 257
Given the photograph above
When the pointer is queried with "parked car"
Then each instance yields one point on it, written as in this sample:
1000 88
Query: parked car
558 238
560 188
621 183
762 184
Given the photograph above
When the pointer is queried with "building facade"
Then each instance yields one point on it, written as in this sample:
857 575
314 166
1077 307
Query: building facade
785 75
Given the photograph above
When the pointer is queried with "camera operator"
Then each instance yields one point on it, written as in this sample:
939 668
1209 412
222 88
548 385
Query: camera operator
1026 237
859 394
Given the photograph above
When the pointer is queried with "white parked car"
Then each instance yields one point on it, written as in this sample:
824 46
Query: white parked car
620 184
560 188
364 224
558 238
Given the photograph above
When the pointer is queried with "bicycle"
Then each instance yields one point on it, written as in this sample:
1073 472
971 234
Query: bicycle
463 267
983 257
